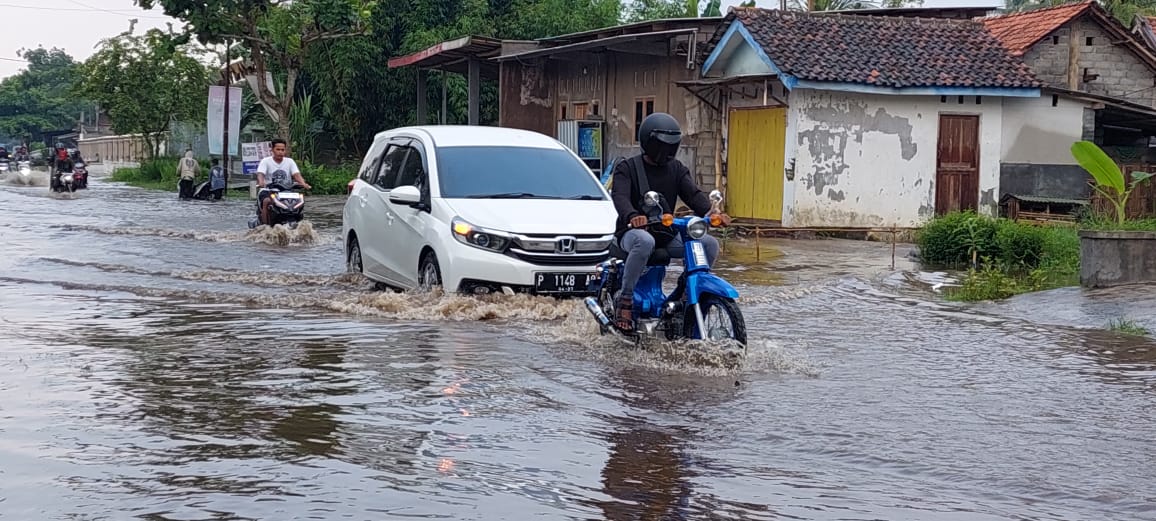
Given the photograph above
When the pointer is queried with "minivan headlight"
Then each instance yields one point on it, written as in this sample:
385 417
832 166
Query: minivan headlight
696 228
471 235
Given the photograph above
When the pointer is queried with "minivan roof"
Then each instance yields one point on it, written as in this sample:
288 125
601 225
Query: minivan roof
473 136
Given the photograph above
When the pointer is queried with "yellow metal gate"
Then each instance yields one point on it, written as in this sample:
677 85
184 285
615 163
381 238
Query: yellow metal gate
756 140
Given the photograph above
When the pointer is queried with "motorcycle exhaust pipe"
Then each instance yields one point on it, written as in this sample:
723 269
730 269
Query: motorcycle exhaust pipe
596 310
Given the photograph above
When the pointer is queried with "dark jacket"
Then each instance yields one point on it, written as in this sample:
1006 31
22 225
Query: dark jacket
673 181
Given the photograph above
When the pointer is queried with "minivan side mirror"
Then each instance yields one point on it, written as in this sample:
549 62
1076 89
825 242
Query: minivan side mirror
407 195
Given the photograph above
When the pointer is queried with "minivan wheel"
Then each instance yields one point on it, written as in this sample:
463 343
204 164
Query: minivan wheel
429 273
353 260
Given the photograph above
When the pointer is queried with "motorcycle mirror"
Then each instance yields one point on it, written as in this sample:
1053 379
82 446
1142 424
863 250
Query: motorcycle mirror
716 196
651 198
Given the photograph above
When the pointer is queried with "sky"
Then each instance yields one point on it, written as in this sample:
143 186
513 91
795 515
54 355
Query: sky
78 26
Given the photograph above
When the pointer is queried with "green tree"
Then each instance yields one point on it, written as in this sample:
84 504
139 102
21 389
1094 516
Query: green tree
146 81
39 97
278 36
641 10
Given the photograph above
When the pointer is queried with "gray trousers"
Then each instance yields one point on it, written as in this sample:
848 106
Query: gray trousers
639 244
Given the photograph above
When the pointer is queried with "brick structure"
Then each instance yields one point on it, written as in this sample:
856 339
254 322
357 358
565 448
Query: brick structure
1081 47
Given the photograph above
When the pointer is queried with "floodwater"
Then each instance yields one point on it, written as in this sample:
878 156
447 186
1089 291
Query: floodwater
159 361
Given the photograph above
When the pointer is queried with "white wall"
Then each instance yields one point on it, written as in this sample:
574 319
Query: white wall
869 160
1037 133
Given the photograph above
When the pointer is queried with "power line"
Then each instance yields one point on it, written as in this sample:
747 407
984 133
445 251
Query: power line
13 60
87 9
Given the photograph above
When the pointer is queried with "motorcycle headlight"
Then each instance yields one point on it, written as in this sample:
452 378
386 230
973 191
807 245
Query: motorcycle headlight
471 235
696 228
68 178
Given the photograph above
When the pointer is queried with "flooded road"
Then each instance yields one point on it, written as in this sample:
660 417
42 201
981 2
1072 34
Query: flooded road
160 362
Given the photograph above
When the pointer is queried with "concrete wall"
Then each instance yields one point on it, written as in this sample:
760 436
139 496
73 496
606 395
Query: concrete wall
1036 132
1121 72
870 160
1037 140
524 98
1117 258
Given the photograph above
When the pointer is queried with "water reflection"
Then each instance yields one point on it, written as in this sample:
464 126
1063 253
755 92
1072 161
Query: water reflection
646 475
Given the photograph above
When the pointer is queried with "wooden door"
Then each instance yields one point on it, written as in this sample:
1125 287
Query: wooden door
957 164
756 140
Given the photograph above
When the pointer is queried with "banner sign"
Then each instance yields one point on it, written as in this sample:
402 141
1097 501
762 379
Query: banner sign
216 123
252 154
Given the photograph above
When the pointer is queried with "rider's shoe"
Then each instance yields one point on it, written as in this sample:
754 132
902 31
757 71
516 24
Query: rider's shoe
624 315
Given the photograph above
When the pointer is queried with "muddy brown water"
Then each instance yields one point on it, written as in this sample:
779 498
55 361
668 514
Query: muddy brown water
159 361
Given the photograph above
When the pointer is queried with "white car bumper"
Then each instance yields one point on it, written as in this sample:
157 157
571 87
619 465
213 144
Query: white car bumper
466 267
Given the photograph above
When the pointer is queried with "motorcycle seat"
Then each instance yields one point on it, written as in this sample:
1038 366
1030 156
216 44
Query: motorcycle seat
658 257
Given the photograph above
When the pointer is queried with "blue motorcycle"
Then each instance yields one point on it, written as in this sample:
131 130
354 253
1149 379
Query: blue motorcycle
702 305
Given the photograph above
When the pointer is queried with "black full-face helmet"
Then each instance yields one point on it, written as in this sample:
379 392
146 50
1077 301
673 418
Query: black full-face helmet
660 136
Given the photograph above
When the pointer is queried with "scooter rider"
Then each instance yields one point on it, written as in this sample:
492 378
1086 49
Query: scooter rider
4 153
659 136
276 169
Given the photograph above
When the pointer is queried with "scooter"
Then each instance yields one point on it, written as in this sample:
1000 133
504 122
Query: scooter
62 182
80 175
213 189
24 172
702 305
287 207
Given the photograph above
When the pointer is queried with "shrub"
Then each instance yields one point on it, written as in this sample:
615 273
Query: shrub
950 240
328 180
1019 246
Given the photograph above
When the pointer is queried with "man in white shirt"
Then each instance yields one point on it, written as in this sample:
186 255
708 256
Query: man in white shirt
278 170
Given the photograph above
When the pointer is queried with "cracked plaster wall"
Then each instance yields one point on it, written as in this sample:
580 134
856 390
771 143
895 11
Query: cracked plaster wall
869 160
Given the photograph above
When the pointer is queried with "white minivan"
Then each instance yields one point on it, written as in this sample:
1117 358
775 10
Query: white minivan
476 209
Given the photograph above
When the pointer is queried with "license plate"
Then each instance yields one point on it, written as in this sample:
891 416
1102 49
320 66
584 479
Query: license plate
287 195
563 282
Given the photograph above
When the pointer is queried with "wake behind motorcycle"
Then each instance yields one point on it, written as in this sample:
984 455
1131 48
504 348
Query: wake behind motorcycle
287 207
702 305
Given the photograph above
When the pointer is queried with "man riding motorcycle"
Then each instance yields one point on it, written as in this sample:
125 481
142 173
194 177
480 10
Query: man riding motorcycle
277 169
659 136
4 153
22 154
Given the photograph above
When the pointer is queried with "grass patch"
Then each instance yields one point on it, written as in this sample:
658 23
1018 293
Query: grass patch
1136 225
1126 326
161 174
1003 257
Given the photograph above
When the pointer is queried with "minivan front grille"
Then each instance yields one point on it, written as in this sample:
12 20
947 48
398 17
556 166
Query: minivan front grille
556 259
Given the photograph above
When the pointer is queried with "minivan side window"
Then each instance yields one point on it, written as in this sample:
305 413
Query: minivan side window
412 173
394 160
372 163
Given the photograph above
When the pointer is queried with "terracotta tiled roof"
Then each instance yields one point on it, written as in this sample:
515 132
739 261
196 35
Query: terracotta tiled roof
884 51
1020 31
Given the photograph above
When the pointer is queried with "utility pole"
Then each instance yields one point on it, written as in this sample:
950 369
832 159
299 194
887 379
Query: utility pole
225 134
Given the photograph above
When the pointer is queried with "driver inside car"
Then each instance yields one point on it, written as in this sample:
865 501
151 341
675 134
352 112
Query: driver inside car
659 136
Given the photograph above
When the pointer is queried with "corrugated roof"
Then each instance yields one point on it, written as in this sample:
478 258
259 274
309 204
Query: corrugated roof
1051 200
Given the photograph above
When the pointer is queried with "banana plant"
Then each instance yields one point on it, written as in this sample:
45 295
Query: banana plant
1109 180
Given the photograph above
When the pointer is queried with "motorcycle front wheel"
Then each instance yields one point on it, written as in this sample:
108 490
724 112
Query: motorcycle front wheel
722 317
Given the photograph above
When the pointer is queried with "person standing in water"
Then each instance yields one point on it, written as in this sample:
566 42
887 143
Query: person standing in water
188 169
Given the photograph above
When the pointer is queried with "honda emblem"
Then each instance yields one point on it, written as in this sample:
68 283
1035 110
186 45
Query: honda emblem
566 245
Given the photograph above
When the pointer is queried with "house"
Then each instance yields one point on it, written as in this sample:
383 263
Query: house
852 121
1099 82
590 90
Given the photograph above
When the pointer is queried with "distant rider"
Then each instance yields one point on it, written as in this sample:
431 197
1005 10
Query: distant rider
61 162
659 136
188 170
4 153
277 170
22 154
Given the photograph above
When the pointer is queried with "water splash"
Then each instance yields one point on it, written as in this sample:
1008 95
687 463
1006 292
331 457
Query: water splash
279 235
578 331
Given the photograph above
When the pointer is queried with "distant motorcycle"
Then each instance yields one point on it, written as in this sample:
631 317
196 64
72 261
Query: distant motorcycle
5 166
24 172
701 307
80 175
62 182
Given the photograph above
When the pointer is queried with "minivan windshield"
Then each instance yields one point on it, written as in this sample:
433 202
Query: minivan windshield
498 172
